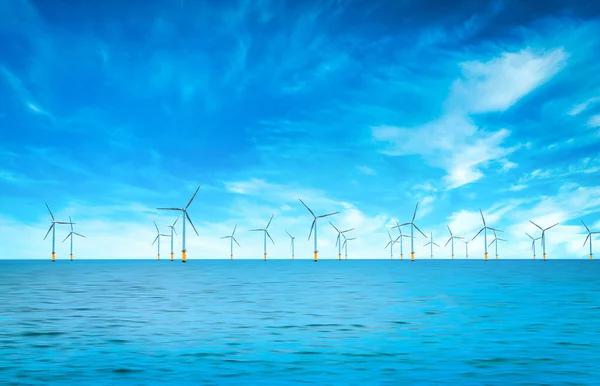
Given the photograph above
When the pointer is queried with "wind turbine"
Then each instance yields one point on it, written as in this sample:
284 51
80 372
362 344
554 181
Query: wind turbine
292 243
338 242
412 225
401 236
345 246
314 225
158 234
589 236
543 236
466 248
496 240
266 234
484 229
185 215
71 236
391 244
452 237
533 243
431 243
231 240
53 229
173 230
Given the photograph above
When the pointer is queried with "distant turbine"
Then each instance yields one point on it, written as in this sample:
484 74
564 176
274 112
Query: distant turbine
53 229
292 243
496 240
173 230
185 215
533 243
391 244
345 245
431 243
401 236
158 234
266 234
412 238
452 237
71 236
338 241
589 236
466 248
484 229
314 225
231 240
543 236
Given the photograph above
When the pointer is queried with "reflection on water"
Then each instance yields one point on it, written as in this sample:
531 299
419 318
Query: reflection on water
348 322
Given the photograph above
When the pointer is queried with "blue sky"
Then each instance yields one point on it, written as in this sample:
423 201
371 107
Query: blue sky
108 111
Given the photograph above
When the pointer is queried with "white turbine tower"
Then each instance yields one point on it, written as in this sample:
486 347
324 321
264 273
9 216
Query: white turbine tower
589 236
345 245
391 244
291 243
484 229
533 243
412 236
185 215
401 236
496 240
53 229
314 225
231 240
173 231
431 244
266 234
466 248
71 236
338 241
452 237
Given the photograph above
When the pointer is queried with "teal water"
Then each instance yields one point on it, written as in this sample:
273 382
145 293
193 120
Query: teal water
286 322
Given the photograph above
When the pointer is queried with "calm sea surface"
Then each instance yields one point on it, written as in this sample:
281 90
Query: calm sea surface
280 322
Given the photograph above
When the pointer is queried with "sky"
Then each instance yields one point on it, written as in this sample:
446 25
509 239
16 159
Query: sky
109 111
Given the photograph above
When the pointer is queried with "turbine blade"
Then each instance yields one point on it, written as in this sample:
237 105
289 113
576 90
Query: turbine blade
586 239
387 244
347 230
288 233
48 231
588 229
165 235
271 219
352 238
225 237
175 231
449 230
477 234
494 229
311 227
169 209
502 240
234 228
156 226
529 236
338 231
51 215
267 232
551 226
64 222
155 240
436 245
306 206
484 224
192 199
329 214
419 230
390 236
236 242
337 239
78 234
536 225
71 222
447 242
190 220
405 224
493 241
254 230
415 213
427 244
69 235
458 237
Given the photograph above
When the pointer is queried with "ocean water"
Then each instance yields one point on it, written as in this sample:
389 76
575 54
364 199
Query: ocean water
283 322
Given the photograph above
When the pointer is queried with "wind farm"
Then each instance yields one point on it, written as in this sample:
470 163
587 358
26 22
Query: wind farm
590 238
53 229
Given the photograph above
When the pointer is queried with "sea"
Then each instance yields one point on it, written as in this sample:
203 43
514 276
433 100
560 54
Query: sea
279 322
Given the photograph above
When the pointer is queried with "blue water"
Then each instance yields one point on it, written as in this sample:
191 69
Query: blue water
280 322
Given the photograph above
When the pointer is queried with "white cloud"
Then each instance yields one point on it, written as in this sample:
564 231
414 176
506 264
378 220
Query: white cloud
516 188
366 170
580 107
594 121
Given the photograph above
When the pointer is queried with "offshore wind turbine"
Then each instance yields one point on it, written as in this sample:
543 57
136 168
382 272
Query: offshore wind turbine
345 246
53 229
71 236
401 236
496 240
589 236
484 229
466 248
543 236
173 230
533 243
158 234
266 234
314 225
338 242
431 243
292 243
231 240
452 237
391 244
412 238
185 215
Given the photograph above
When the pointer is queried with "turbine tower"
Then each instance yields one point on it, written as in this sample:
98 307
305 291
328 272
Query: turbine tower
452 237
345 245
231 240
401 236
53 229
266 234
431 244
412 238
338 242
466 248
173 231
158 234
543 236
589 236
484 229
71 236
496 240
314 225
391 244
292 243
533 243
185 215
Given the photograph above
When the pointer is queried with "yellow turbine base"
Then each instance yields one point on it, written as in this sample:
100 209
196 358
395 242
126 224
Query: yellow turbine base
183 256
172 256
544 256
292 257
485 256
316 257
71 257
158 256
339 256
467 257
496 257
412 256
452 257
533 257
265 257
231 256
400 256
431 257
53 257
591 256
